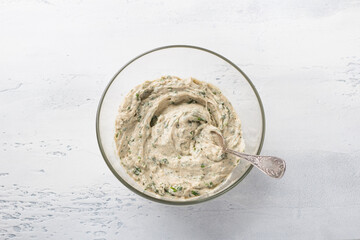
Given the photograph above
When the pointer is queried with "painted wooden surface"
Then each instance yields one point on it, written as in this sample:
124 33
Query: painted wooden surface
56 57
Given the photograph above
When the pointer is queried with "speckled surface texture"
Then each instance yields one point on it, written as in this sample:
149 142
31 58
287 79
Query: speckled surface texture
56 58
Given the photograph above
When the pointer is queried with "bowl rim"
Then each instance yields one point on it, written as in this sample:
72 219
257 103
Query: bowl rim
169 202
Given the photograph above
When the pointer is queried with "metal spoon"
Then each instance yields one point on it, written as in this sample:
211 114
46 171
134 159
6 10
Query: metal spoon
272 166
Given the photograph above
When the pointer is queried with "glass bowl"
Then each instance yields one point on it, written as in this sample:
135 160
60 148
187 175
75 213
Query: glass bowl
182 61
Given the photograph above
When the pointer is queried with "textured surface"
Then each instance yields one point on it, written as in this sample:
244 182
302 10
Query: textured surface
56 57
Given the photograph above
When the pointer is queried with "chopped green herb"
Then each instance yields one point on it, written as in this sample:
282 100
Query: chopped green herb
128 108
137 96
179 188
164 161
179 157
214 93
153 121
201 119
195 193
174 189
137 171
202 165
139 157
224 155
202 93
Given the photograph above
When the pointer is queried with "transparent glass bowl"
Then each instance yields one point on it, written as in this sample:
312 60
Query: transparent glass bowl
182 61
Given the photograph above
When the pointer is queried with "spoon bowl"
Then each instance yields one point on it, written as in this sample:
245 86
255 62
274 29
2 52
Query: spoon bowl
272 166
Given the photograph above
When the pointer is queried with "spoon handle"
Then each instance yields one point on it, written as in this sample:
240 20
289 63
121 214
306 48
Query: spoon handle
272 166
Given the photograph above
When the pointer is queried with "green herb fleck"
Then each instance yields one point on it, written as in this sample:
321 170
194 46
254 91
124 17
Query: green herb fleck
164 161
202 165
174 189
179 157
195 193
153 121
137 171
137 96
223 156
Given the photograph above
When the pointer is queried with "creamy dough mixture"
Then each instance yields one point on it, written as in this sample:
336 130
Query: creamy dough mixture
163 136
